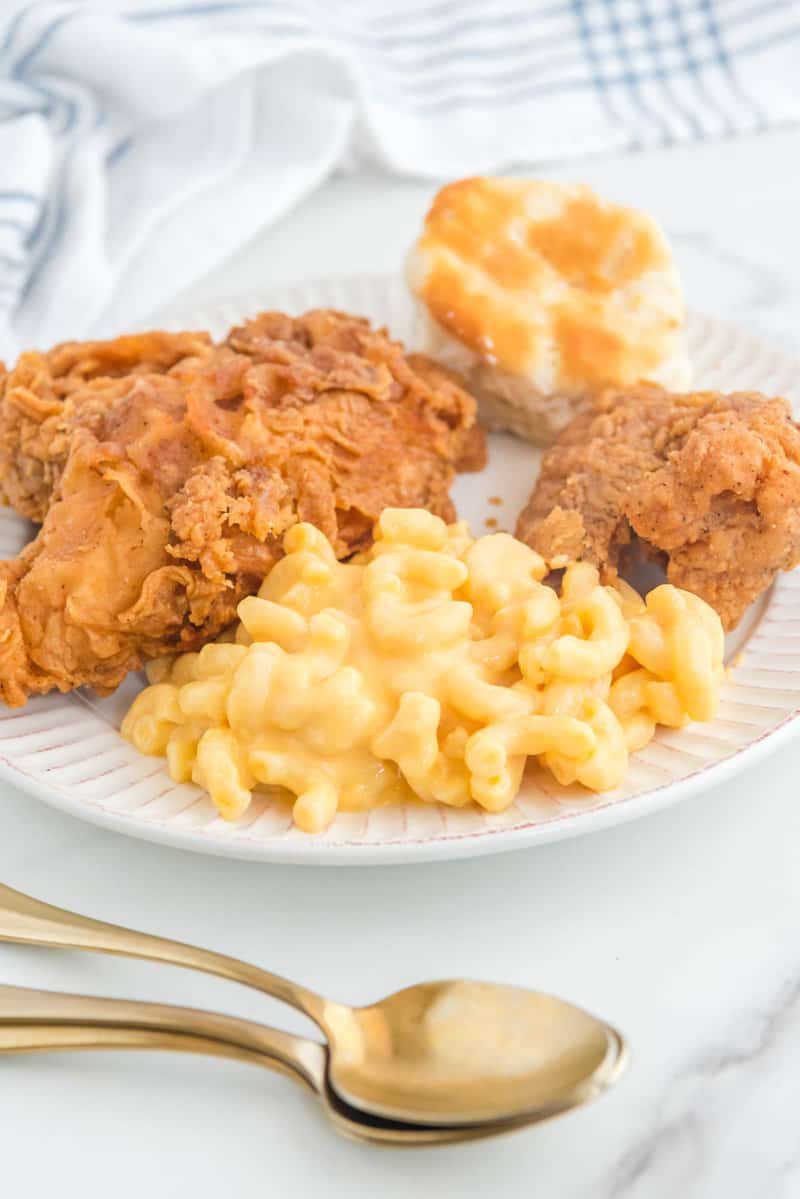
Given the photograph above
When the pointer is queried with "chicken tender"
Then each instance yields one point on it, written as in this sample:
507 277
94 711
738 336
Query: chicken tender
166 485
708 483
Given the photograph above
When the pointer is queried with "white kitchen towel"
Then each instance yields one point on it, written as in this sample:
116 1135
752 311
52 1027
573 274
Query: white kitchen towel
142 141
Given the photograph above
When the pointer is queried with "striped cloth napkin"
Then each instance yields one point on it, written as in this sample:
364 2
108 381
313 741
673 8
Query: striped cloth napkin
142 142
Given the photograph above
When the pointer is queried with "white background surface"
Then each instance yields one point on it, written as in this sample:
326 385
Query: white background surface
681 929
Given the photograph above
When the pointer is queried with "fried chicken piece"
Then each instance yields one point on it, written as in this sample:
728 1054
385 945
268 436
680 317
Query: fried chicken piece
173 487
34 428
708 483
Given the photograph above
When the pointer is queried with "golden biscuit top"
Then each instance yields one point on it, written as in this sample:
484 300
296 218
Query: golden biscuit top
548 278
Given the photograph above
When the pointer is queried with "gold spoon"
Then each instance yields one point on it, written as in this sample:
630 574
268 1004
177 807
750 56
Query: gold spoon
445 1053
42 1021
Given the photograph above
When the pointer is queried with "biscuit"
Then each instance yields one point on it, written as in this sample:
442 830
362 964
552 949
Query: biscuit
540 294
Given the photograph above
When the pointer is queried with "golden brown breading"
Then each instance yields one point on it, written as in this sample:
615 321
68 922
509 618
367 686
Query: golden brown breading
173 487
708 482
34 434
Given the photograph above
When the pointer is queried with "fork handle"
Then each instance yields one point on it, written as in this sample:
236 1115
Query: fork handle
32 922
41 1020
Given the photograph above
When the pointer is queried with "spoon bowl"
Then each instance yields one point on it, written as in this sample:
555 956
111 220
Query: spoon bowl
460 1052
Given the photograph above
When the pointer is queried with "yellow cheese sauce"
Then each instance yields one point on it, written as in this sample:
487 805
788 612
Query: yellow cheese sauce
432 665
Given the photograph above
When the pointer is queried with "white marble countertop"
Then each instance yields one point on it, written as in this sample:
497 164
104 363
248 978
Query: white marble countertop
681 928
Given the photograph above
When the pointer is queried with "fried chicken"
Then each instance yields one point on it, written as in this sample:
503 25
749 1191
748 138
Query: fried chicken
708 483
166 470
35 419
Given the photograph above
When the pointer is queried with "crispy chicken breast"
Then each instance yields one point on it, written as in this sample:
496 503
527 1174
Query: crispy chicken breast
165 471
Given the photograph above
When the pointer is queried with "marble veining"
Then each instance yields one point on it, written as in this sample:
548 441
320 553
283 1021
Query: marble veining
725 1096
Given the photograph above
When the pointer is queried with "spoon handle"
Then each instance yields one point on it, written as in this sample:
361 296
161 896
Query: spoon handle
47 1038
43 1020
33 922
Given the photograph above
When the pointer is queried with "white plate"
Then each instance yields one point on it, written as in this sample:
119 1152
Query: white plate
66 749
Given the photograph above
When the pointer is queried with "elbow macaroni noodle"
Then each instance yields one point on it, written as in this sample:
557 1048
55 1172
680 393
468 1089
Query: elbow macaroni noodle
433 665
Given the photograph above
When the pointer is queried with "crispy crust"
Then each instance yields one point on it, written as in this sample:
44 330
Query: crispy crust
709 483
166 470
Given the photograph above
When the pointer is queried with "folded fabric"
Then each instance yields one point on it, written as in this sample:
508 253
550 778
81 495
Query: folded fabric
142 142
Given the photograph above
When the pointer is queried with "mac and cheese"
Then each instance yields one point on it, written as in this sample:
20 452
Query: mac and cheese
432 665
